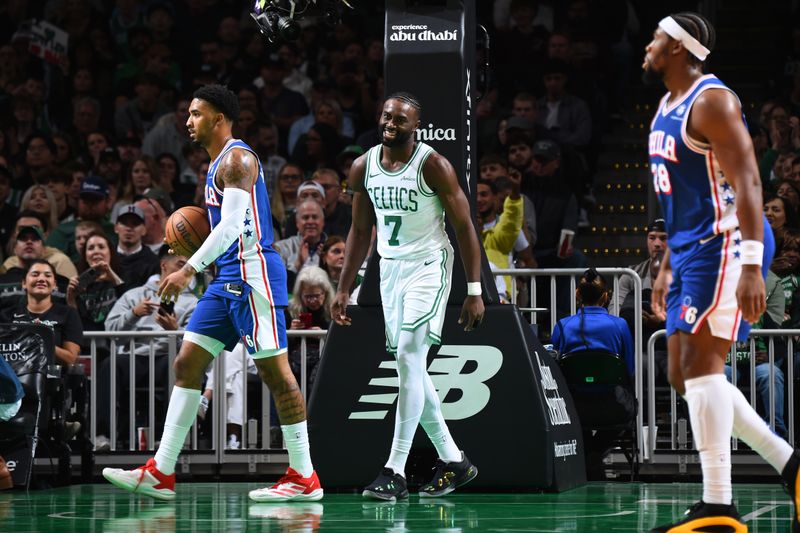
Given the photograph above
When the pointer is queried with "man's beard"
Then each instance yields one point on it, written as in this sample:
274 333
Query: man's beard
652 77
400 138
487 215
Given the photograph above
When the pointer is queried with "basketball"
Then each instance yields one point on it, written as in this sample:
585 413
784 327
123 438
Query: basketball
186 230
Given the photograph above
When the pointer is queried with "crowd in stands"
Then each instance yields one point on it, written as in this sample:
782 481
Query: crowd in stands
95 155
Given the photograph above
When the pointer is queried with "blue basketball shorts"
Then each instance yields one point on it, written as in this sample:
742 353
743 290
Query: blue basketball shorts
231 312
704 280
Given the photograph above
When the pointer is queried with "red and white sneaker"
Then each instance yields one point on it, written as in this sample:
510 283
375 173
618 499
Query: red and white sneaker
147 480
292 487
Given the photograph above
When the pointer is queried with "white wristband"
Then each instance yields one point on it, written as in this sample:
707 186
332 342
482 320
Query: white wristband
474 288
752 252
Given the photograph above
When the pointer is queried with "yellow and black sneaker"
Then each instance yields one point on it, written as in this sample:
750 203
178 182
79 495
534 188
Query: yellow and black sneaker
448 477
388 486
791 480
707 518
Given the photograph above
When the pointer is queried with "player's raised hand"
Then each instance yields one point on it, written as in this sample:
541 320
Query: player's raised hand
339 309
471 313
751 294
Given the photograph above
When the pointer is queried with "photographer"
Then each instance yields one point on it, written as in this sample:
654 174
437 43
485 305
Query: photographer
140 309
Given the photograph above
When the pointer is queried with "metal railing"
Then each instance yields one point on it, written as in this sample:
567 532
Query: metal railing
135 339
770 334
553 274
249 430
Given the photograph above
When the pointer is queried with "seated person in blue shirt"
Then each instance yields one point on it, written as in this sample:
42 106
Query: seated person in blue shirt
592 328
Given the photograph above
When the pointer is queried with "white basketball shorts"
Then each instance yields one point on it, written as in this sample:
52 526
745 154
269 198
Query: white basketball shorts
414 294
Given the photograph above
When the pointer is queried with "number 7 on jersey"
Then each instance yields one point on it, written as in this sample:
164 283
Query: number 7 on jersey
395 221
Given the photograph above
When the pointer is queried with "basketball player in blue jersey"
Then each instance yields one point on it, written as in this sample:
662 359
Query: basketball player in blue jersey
711 284
243 303
405 188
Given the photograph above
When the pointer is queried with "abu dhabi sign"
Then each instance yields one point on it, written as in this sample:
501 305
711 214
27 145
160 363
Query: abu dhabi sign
420 33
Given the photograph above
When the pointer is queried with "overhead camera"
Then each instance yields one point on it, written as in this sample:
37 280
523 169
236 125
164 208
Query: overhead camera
278 19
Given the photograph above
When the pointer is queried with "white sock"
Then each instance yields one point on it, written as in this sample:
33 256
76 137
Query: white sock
181 413
398 456
412 352
434 425
296 438
711 410
752 429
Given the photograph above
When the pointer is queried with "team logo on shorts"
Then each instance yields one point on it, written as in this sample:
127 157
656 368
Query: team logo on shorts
688 312
247 339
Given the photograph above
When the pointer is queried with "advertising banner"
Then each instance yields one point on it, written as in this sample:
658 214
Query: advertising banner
495 381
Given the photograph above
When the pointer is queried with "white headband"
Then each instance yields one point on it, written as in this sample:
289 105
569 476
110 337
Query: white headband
674 30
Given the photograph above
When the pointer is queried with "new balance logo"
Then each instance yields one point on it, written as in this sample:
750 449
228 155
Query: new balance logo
446 374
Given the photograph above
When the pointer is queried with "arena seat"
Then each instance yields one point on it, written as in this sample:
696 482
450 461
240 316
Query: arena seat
604 398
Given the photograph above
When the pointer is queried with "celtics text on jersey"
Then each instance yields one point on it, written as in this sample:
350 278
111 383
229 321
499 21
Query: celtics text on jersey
409 216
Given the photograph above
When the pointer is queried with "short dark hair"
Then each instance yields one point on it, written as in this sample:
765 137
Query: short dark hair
502 183
519 138
59 175
525 96
40 262
221 98
163 252
488 183
408 98
48 141
493 159
29 213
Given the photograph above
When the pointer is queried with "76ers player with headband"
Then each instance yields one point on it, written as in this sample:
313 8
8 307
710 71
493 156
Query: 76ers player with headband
244 302
711 284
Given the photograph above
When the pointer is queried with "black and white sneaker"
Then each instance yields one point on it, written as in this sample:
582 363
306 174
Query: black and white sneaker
704 516
448 477
388 486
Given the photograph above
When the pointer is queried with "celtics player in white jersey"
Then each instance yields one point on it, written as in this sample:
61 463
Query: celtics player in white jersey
405 188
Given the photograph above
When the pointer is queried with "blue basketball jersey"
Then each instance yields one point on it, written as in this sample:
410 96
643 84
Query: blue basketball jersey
697 202
250 259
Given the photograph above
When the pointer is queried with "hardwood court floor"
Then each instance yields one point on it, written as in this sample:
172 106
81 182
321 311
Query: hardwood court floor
207 507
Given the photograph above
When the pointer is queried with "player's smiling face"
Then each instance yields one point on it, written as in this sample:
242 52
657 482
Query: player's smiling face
397 123
202 119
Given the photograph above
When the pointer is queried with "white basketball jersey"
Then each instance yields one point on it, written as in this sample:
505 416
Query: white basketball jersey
408 214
